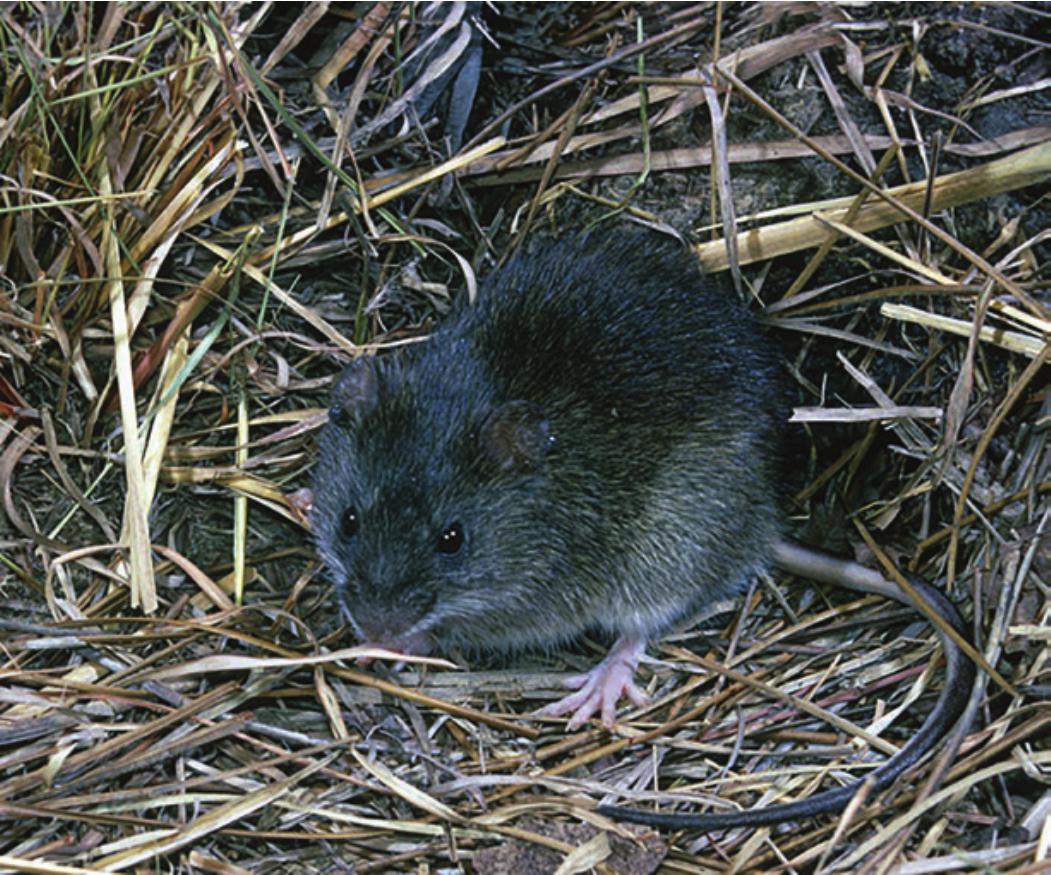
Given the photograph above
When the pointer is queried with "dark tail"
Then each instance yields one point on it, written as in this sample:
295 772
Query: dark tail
959 678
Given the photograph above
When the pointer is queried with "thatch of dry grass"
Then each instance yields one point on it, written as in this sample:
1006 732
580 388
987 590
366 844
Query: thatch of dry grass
206 209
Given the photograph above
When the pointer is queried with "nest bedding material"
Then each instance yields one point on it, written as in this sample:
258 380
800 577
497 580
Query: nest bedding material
207 209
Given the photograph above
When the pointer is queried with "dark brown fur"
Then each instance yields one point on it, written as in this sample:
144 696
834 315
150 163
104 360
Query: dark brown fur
652 490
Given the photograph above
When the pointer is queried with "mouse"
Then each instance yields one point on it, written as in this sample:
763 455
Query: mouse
593 446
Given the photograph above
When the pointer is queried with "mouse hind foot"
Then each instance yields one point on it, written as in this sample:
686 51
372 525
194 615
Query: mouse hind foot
599 690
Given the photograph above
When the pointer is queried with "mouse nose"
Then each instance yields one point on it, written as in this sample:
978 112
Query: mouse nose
381 626
387 624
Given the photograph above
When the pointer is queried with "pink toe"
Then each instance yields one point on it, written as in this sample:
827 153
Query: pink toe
638 698
584 713
572 702
601 689
576 681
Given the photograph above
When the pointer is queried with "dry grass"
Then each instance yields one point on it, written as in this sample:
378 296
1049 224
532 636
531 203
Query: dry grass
205 210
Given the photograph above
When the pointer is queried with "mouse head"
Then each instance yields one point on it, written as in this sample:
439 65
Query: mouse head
427 502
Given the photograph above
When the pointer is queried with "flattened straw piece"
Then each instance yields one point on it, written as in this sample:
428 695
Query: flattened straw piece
1014 315
863 414
453 165
482 173
587 856
135 529
721 182
403 789
412 695
877 96
312 13
385 825
163 408
240 521
234 662
42 867
1014 341
839 107
1005 93
885 251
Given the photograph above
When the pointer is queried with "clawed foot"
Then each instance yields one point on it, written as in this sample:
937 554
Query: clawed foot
601 688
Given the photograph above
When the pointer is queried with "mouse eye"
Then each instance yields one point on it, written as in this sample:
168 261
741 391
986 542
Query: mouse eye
349 522
451 540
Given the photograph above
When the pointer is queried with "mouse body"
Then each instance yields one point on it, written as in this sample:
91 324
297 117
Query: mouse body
593 446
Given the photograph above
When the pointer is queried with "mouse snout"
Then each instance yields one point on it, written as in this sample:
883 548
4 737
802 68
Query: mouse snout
381 626
390 623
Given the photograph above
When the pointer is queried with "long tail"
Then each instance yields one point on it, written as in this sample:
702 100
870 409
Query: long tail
959 678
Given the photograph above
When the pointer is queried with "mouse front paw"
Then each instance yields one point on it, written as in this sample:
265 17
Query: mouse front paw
600 689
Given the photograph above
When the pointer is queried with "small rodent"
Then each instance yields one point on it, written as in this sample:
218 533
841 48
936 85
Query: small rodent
593 446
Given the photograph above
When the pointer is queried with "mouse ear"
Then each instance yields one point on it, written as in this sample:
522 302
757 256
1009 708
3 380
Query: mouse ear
516 436
357 391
